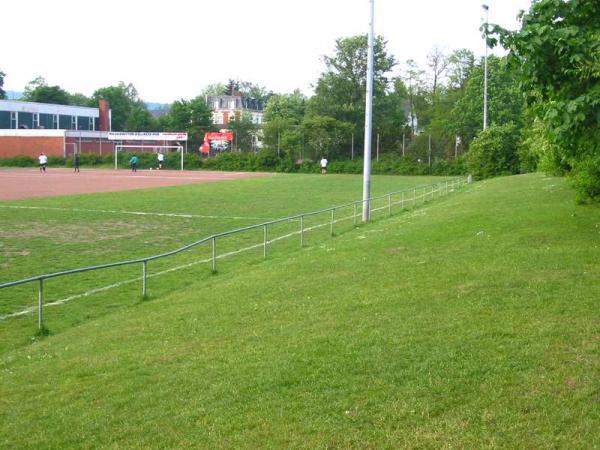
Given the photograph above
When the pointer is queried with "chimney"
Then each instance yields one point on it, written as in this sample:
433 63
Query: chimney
104 110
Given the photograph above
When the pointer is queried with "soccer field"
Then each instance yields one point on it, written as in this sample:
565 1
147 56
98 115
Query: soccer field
470 322
46 235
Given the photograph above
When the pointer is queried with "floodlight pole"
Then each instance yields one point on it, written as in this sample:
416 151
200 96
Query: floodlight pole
368 118
486 8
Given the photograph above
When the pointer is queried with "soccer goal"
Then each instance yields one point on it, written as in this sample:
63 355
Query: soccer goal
143 148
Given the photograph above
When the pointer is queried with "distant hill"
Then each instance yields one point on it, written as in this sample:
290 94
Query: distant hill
13 95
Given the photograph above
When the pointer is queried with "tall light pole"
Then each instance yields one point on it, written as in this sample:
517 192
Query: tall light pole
486 8
368 118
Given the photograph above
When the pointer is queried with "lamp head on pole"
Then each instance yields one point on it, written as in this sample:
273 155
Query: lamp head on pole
485 7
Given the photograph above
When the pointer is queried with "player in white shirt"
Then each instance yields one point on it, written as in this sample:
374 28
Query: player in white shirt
161 159
43 162
323 165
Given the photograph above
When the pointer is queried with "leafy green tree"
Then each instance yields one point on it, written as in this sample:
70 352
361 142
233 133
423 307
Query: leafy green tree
324 135
557 51
81 100
245 132
2 91
213 90
494 152
126 105
38 91
340 90
505 100
283 116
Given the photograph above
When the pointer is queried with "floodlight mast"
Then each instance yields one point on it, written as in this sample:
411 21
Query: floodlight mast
368 119
486 8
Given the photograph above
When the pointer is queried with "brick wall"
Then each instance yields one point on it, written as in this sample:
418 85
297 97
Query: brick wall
30 146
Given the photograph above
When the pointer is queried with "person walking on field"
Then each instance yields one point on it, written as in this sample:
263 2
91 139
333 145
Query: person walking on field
76 162
134 162
323 165
161 159
43 159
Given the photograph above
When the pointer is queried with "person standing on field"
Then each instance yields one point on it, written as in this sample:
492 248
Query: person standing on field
161 159
43 159
323 165
76 162
134 162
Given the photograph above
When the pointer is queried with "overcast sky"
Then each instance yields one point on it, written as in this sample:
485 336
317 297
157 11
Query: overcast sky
172 49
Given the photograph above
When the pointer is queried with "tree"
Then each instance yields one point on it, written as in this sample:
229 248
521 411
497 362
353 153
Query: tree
438 64
213 90
340 90
192 116
2 92
231 88
283 116
557 51
81 100
38 91
494 152
127 108
460 65
244 131
505 101
415 88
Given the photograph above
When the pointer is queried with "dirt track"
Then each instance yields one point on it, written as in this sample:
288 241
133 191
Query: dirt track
26 183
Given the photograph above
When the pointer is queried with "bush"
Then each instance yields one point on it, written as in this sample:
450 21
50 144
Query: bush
493 152
586 177
19 161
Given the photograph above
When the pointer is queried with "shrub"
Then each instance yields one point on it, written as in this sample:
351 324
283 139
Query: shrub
493 152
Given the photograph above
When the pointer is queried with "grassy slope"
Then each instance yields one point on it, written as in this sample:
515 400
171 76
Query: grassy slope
470 323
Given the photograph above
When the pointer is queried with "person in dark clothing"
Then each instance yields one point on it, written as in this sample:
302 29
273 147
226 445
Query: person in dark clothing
76 162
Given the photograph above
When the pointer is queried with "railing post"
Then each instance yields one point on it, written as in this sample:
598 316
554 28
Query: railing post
41 304
214 254
332 219
144 275
301 231
265 241
390 204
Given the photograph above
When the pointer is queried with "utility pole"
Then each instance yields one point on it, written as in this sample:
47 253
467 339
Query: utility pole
403 145
368 118
486 8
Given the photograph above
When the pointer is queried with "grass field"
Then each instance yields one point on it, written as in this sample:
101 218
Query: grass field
471 322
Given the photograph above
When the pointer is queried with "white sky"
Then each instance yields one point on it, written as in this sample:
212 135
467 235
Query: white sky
172 49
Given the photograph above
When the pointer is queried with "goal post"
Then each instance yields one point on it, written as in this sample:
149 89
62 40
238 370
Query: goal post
155 149
148 142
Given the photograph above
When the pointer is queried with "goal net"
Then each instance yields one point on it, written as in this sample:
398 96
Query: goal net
147 155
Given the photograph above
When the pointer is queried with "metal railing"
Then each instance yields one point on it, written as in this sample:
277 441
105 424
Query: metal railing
419 194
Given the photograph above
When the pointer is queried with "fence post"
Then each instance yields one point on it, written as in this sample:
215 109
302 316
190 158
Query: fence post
41 304
301 231
144 275
332 219
265 241
214 254
390 204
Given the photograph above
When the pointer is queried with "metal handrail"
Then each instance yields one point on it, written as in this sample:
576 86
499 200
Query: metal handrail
212 238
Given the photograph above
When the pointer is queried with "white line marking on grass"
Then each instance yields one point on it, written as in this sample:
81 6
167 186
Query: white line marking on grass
162 272
135 213
29 310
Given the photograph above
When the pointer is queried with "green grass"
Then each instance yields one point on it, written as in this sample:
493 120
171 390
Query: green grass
471 322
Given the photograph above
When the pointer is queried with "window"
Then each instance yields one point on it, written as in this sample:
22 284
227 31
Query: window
218 118
91 123
55 121
73 122
216 104
231 104
14 120
36 120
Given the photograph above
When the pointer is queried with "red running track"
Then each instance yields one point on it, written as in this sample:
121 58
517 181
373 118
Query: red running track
27 183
